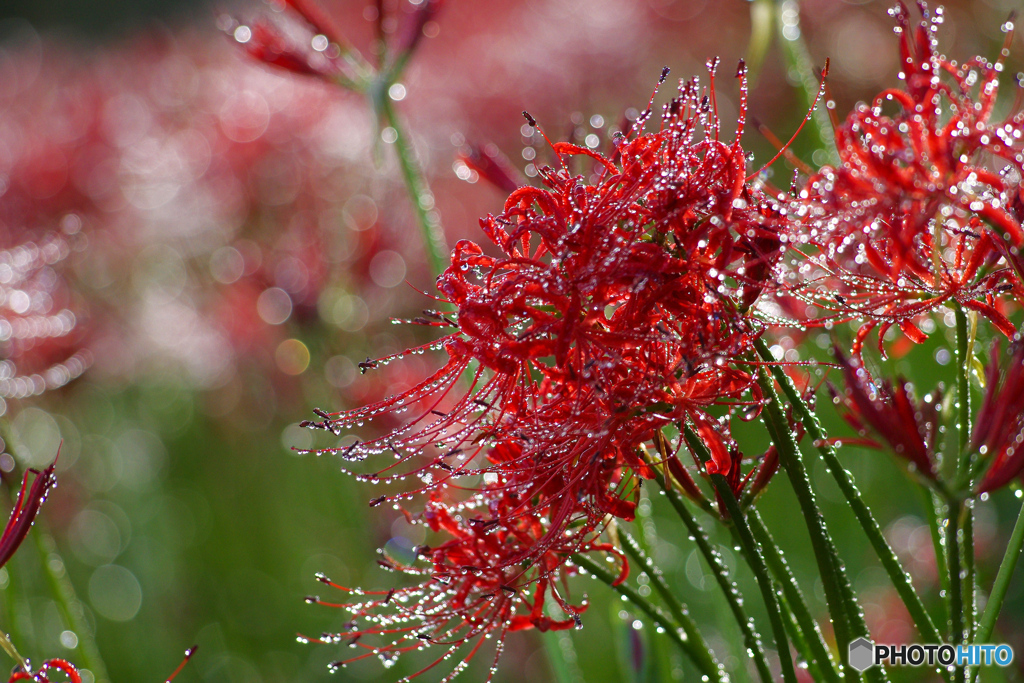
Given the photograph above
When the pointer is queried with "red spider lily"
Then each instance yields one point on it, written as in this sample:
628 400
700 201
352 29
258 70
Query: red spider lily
614 309
30 500
999 426
476 585
914 216
42 676
605 318
910 428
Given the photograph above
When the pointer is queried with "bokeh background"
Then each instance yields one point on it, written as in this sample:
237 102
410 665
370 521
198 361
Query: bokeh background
236 240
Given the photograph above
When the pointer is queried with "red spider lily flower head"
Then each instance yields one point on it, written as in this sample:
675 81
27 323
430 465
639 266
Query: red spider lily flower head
999 427
36 334
30 500
475 586
612 310
614 307
909 428
43 675
917 214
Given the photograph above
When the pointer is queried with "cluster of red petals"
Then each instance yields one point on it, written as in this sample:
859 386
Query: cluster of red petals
999 425
43 675
474 584
925 207
910 428
886 409
608 307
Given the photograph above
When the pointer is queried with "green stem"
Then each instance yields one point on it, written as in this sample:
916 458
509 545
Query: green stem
642 603
987 623
750 637
764 581
963 396
900 578
970 573
416 185
561 654
703 656
961 523
956 605
931 505
846 617
68 604
818 651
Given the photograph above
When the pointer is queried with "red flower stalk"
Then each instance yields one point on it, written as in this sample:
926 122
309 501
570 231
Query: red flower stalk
42 676
476 585
30 500
999 427
915 216
910 428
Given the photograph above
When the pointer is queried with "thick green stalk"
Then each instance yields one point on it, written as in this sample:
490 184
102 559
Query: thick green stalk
963 395
932 505
960 527
416 184
900 578
642 603
970 574
987 623
956 605
818 650
750 637
764 580
704 658
848 623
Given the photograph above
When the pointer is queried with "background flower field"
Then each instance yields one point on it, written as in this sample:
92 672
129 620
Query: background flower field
231 241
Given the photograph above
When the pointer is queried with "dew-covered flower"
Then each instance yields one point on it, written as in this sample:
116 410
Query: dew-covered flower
474 583
919 212
888 411
611 303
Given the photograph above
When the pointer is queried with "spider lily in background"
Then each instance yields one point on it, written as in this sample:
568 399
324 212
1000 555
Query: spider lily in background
917 216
